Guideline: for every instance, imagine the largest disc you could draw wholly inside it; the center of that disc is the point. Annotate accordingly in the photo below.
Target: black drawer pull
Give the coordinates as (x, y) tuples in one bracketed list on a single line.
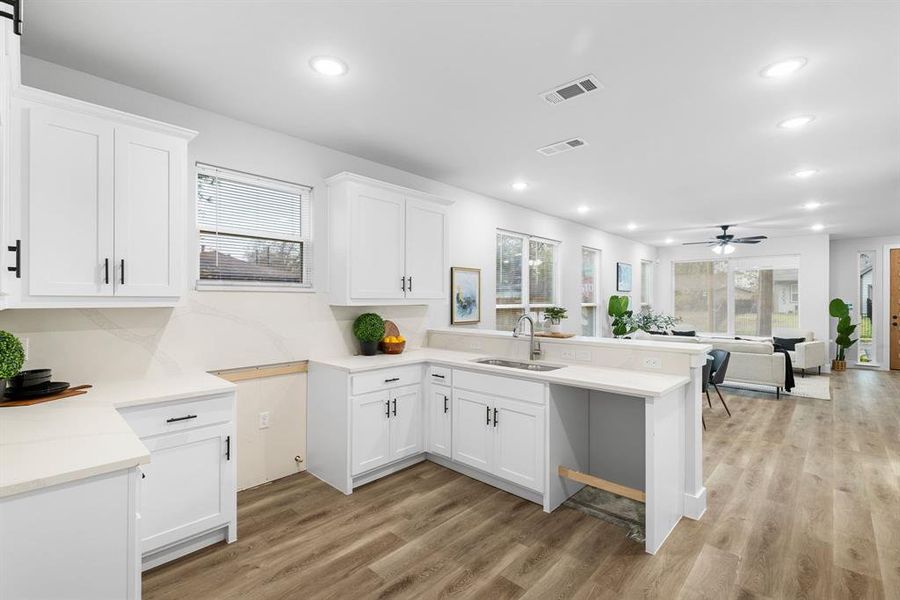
[(392, 380), (438, 376), (176, 419), (18, 250), (395, 407), (495, 417), (446, 408), (488, 409), (387, 409), (228, 448)]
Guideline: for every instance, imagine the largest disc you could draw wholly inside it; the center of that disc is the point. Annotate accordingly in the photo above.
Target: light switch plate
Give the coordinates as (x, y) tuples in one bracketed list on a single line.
[(652, 362), (264, 420)]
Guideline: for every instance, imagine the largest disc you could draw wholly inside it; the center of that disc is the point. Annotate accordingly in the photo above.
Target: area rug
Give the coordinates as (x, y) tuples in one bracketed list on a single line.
[(811, 386), (623, 512)]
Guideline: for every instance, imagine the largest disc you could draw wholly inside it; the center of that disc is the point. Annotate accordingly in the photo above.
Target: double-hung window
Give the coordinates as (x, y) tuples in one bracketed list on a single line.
[(527, 276), (646, 283), (255, 232), (590, 291)]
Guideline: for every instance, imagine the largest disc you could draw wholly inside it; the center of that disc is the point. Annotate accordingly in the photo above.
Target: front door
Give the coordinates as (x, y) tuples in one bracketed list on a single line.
[(895, 309)]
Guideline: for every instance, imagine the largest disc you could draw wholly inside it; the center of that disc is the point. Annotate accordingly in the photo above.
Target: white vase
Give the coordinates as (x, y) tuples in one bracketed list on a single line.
[(555, 327)]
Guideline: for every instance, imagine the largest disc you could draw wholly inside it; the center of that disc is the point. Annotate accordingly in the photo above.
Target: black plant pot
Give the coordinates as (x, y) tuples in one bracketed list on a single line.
[(368, 348)]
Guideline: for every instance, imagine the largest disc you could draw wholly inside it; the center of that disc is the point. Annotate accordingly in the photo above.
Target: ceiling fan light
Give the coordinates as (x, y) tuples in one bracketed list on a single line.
[(728, 249), (717, 249)]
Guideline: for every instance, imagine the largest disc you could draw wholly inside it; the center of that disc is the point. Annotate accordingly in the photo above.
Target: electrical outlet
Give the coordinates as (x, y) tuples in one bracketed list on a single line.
[(475, 345), (568, 355), (264, 420), (652, 363), (583, 355)]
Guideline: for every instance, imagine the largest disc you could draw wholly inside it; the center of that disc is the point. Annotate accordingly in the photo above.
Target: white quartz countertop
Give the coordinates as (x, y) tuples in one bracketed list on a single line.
[(82, 436), (621, 381)]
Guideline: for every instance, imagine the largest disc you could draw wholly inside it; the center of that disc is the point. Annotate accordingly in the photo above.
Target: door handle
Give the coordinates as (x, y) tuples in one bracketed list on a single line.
[(395, 407), (122, 272), (495, 417), (18, 250), (410, 283), (228, 448), (403, 284), (387, 409), (488, 409), (446, 408), (106, 270)]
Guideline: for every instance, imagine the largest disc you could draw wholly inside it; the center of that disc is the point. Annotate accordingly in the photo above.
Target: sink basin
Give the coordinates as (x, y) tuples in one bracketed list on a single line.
[(518, 364)]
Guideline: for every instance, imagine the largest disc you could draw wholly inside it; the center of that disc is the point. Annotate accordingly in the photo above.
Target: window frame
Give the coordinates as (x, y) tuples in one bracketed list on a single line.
[(526, 306), (306, 235), (596, 303), (647, 294)]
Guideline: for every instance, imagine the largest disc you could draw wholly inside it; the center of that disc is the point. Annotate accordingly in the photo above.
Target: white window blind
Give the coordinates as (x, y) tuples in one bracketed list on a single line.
[(253, 230)]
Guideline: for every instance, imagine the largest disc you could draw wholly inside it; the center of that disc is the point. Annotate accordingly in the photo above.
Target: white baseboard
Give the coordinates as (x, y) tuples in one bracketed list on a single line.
[(695, 505), (489, 479), (177, 550)]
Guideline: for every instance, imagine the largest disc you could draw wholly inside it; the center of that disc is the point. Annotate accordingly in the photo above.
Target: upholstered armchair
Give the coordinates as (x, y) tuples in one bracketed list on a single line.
[(808, 354)]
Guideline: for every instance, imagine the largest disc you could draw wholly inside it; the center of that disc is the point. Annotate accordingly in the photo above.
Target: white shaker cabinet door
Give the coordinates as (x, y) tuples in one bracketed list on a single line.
[(376, 244), (148, 176), (69, 245), (472, 429), (406, 422), (427, 270), (519, 442), (370, 446), (439, 420)]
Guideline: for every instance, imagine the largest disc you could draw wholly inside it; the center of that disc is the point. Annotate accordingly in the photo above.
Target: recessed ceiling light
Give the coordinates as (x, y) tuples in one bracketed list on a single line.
[(796, 122), (669, 240), (583, 209), (805, 173), (812, 205), (519, 186), (328, 65), (817, 227), (631, 227), (783, 68)]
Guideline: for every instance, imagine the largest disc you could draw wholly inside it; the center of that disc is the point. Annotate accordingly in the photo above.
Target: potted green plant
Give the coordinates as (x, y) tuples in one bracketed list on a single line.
[(841, 311), (12, 356), (617, 309), (648, 321), (368, 328), (555, 314)]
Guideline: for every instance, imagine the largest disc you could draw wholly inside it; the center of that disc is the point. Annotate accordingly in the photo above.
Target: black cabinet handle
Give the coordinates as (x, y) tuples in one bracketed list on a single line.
[(488, 409), (228, 448), (143, 475), (122, 272), (495, 417), (446, 408), (176, 419), (410, 283), (105, 270), (403, 284), (392, 380), (438, 376), (387, 409), (18, 250), (395, 407)]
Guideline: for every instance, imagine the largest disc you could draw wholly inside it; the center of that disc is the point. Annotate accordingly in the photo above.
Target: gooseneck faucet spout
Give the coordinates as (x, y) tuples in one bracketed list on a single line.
[(535, 348)]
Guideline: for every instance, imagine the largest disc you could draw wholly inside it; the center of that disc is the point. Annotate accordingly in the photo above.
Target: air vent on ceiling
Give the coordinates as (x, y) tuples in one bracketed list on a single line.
[(560, 147), (573, 89)]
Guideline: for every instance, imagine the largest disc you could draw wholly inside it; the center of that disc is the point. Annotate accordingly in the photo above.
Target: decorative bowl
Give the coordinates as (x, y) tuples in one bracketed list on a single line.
[(392, 347)]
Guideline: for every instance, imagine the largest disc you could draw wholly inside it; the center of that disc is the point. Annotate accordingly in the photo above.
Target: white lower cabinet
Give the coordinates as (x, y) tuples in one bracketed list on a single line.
[(387, 426), (439, 414), (501, 436)]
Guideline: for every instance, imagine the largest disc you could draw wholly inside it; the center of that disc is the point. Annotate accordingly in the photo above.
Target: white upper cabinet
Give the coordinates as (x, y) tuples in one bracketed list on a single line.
[(387, 244), (102, 202)]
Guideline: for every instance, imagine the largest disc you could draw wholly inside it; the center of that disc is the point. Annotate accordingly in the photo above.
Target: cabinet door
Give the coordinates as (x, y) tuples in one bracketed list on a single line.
[(439, 420), (371, 431), (376, 244), (426, 250), (187, 487), (70, 205), (519, 443), (406, 422), (148, 174), (472, 430)]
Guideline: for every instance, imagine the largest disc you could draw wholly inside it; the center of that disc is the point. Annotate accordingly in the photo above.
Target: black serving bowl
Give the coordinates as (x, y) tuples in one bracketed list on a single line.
[(26, 379)]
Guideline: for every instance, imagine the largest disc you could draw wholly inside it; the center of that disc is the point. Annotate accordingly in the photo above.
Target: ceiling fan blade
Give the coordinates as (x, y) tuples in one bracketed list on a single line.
[(745, 241), (752, 237), (708, 243)]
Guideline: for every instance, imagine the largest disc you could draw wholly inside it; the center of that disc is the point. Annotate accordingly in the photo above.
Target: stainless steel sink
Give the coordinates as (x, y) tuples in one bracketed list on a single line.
[(518, 364)]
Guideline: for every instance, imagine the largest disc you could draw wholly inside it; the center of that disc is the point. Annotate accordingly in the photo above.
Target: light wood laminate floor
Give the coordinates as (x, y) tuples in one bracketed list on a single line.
[(804, 502)]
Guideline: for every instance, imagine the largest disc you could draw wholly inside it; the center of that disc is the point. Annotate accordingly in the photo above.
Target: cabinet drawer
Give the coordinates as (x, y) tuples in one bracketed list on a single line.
[(385, 379), (495, 385), (155, 419), (440, 375)]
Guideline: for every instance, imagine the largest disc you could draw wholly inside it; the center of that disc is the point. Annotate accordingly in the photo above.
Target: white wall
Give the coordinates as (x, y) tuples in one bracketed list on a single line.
[(813, 251), (218, 330), (844, 281)]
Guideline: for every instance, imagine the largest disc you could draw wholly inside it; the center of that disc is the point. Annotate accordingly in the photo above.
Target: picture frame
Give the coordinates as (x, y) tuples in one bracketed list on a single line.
[(623, 277), (465, 295)]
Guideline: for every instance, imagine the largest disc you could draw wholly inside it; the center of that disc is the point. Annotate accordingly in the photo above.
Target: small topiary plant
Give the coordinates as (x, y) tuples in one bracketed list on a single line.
[(12, 355), (368, 327), (555, 313)]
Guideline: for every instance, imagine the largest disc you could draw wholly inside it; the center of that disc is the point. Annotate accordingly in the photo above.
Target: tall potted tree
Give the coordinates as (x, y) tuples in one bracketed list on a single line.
[(12, 357), (841, 311)]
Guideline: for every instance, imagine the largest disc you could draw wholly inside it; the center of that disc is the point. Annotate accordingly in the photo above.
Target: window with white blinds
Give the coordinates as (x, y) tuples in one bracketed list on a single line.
[(253, 230)]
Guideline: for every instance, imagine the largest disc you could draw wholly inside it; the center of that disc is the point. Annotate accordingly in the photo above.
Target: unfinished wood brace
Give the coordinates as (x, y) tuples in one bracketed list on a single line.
[(602, 484), (261, 371)]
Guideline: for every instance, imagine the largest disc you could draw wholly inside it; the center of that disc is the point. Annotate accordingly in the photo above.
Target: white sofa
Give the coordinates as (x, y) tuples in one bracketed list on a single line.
[(811, 354)]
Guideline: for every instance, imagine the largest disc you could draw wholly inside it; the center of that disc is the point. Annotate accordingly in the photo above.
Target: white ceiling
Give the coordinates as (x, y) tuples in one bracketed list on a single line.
[(682, 138)]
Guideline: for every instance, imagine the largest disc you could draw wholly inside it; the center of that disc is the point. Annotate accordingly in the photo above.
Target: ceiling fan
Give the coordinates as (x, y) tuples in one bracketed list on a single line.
[(725, 243)]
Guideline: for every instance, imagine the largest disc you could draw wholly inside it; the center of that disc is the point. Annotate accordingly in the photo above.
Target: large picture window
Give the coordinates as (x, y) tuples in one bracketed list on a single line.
[(590, 291), (745, 297), (254, 231), (526, 276)]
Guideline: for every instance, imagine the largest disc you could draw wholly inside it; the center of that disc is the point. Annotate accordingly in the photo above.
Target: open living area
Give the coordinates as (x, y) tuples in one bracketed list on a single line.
[(479, 300)]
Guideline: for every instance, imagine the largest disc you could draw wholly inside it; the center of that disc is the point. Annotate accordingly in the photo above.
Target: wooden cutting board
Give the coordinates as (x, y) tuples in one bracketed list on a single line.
[(72, 391), (550, 334)]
